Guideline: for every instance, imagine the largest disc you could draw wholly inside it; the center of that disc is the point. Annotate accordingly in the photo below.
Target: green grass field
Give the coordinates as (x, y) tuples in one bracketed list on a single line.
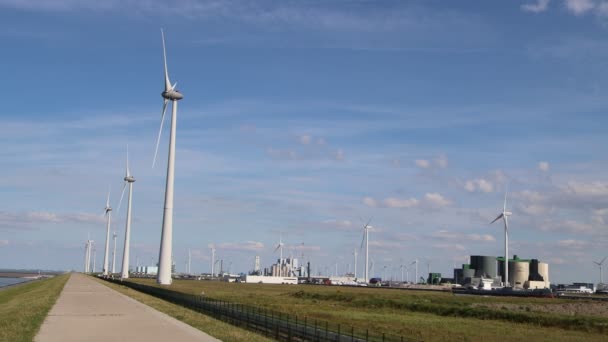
[(24, 307), (416, 314)]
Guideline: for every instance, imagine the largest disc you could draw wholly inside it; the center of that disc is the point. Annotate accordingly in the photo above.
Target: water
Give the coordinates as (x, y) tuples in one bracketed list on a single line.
[(11, 281)]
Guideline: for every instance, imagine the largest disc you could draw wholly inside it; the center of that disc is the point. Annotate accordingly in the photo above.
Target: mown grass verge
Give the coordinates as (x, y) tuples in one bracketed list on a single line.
[(211, 326), (23, 308)]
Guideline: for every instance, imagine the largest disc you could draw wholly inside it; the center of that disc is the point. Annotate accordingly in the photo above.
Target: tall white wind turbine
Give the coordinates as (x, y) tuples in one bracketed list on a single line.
[(600, 265), (212, 262), (365, 239), (504, 216), (129, 180), (86, 257), (106, 254), (355, 254), (280, 249), (166, 241), (114, 254)]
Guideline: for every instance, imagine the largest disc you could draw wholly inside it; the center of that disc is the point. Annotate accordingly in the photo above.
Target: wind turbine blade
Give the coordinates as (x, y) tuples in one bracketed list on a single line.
[(124, 187), (174, 85), (276, 249), (160, 131), (362, 240), (128, 171), (496, 219), (601, 262), (108, 198), (167, 82), (504, 208)]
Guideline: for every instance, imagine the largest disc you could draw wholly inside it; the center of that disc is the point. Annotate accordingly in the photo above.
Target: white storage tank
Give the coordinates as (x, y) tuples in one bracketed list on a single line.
[(543, 270), (519, 271)]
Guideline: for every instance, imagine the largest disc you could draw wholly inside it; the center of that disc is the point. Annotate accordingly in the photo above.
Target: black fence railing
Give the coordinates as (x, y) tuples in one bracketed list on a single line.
[(272, 324)]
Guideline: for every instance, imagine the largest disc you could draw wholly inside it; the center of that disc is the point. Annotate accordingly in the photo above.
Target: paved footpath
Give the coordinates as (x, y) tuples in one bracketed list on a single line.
[(89, 311)]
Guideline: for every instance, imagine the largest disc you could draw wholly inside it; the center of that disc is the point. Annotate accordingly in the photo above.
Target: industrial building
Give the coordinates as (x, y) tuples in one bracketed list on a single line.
[(488, 272)]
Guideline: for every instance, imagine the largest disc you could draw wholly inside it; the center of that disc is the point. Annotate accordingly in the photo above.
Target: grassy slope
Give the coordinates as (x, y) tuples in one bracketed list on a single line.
[(213, 327), (410, 313), (24, 307)]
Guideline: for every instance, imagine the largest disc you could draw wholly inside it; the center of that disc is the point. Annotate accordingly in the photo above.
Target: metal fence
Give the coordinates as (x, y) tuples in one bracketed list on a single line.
[(272, 324)]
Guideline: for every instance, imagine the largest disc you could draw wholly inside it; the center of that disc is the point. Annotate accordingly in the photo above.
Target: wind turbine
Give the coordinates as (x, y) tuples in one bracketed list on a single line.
[(212, 261), (189, 260), (504, 216), (108, 213), (355, 254), (416, 263), (94, 258), (166, 241), (600, 264), (129, 179), (365, 238), (86, 257), (280, 249), (114, 254)]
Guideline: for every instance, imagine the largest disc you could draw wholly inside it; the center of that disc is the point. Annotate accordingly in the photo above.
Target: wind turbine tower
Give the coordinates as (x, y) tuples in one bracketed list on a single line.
[(86, 257), (166, 241), (504, 216), (106, 254), (212, 262), (365, 239), (600, 265), (114, 254), (189, 260), (129, 180), (355, 254), (94, 258), (280, 249)]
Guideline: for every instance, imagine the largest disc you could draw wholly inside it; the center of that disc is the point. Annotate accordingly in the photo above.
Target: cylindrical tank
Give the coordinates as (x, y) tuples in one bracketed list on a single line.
[(468, 273), (485, 266), (543, 270), (519, 271)]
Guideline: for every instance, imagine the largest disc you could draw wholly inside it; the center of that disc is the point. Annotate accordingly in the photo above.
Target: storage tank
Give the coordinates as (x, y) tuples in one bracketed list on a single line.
[(485, 266), (519, 271), (543, 270), (468, 273)]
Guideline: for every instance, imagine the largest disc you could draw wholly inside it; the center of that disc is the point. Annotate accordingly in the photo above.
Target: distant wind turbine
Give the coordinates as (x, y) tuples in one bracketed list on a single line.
[(166, 242), (212, 262), (504, 216), (280, 249), (108, 213), (365, 239), (128, 181), (600, 265)]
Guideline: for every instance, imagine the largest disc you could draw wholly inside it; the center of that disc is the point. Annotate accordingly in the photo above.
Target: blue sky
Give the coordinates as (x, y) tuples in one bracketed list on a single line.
[(307, 117)]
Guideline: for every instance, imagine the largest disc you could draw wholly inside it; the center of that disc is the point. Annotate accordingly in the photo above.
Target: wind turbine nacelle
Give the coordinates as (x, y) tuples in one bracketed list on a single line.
[(172, 95), (507, 213)]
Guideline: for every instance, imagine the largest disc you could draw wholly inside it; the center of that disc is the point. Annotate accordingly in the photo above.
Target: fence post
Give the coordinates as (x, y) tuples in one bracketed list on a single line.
[(296, 327), (305, 327), (382, 337), (326, 329), (352, 334), (366, 335), (288, 329), (338, 337), (316, 331)]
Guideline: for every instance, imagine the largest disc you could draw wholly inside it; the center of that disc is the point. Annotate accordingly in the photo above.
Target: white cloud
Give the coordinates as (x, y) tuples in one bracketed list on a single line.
[(370, 202), (3, 243), (587, 189), (573, 244), (539, 6), (242, 246), (579, 7), (41, 217), (569, 226), (393, 202), (479, 184), (436, 200), (458, 236), (430, 200), (543, 166), (423, 163)]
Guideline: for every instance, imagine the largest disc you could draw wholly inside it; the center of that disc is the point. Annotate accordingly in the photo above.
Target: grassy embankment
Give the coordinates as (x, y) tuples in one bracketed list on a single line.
[(24, 307), (421, 315), (213, 327)]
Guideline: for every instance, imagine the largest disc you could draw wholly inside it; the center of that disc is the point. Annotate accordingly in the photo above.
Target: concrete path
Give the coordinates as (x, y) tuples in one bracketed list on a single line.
[(89, 311)]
